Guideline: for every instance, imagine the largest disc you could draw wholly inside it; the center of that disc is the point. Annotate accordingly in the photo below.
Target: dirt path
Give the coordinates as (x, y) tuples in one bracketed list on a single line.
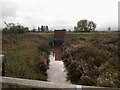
[(56, 72)]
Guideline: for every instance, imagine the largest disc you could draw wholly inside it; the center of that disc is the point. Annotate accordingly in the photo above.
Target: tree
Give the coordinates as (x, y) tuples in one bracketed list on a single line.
[(47, 28), (42, 28), (38, 29), (85, 25), (109, 28), (75, 28), (14, 28), (91, 26)]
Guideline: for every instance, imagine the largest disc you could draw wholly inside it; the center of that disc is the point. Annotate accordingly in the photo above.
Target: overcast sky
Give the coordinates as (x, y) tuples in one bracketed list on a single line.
[(58, 14)]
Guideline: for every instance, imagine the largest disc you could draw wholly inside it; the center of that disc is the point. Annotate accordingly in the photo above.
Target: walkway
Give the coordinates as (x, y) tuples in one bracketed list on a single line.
[(56, 72)]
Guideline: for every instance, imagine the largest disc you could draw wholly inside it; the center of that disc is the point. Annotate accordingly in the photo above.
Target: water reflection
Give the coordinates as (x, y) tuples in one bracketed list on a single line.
[(56, 72)]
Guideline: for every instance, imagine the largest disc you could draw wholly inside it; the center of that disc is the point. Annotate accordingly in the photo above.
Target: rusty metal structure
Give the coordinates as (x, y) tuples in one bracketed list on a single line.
[(57, 42), (59, 37)]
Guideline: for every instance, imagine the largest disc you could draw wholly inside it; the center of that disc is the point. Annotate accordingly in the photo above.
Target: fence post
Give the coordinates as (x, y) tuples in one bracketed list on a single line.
[(2, 68)]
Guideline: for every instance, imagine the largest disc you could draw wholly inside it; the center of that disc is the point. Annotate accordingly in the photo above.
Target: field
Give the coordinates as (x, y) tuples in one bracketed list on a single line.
[(92, 58)]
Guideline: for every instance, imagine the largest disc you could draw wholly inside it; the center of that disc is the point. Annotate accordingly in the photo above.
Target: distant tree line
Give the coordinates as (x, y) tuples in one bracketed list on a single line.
[(14, 28), (19, 29), (41, 29), (82, 26), (85, 26)]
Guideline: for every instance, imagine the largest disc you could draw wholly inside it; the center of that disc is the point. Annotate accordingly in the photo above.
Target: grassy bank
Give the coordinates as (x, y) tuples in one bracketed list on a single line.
[(92, 59), (26, 56)]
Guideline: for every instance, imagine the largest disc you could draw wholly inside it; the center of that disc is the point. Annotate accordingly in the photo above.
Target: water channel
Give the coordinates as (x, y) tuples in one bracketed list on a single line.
[(56, 72)]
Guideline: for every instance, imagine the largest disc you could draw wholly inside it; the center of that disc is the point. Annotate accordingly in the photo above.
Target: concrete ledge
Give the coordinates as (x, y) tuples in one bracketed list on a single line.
[(98, 88), (44, 84), (35, 83)]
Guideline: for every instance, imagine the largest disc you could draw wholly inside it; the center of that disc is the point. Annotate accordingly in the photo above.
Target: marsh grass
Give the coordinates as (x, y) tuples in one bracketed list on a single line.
[(26, 56)]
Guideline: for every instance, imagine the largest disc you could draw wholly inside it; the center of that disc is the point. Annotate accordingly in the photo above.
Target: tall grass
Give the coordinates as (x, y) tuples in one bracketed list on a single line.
[(26, 56)]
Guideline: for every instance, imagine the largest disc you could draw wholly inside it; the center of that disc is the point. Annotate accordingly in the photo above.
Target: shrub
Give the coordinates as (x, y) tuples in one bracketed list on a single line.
[(92, 61)]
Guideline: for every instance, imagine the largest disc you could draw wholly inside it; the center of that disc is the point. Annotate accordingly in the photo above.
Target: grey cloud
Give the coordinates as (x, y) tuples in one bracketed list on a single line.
[(119, 15), (9, 9)]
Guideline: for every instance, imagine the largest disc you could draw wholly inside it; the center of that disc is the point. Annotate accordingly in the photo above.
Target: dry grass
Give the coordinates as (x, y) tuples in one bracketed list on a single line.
[(26, 56)]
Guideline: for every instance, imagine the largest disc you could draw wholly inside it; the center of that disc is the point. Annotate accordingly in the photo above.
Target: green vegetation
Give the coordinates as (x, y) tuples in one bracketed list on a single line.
[(92, 59), (14, 28), (26, 54), (85, 26)]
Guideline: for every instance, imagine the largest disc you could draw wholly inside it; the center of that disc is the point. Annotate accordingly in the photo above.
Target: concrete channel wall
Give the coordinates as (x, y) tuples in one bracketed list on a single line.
[(1, 68), (49, 85)]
